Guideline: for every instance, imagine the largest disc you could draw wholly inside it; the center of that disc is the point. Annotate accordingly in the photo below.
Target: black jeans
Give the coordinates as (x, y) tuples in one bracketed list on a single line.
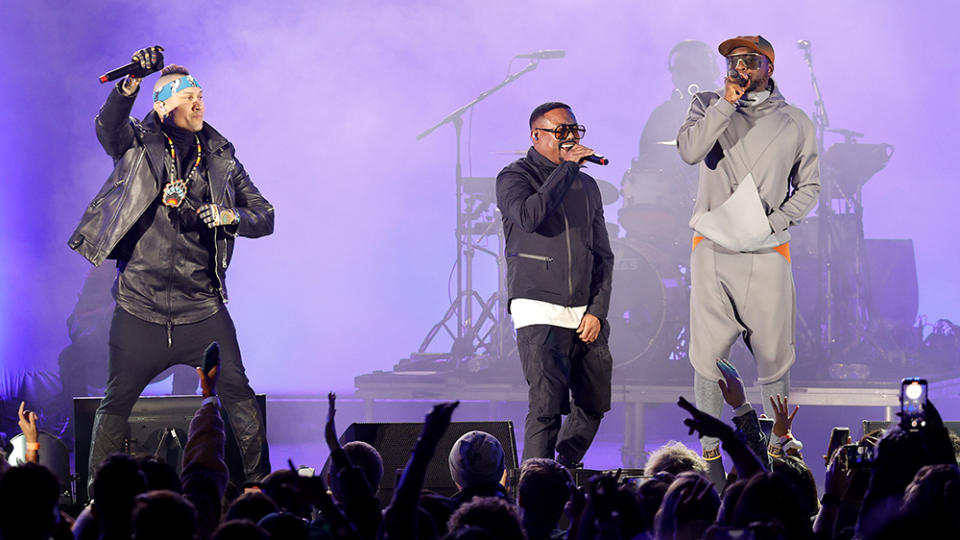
[(139, 351), (557, 364)]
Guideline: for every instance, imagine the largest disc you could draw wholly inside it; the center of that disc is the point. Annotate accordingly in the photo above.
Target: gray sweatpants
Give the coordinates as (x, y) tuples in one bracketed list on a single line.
[(740, 294)]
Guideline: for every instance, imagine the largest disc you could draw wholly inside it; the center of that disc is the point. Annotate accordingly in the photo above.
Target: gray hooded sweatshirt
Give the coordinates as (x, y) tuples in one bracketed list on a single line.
[(764, 148)]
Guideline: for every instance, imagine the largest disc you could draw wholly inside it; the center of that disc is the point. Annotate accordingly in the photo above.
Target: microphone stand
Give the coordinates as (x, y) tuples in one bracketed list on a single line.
[(468, 331), (825, 300)]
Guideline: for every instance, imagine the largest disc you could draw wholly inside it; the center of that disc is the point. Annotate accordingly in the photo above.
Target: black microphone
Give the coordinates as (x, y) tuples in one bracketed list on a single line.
[(122, 71), (593, 158), (544, 54), (599, 160), (803, 44)]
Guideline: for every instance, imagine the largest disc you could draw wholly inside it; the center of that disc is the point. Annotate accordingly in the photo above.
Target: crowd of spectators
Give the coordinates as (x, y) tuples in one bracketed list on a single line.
[(904, 483)]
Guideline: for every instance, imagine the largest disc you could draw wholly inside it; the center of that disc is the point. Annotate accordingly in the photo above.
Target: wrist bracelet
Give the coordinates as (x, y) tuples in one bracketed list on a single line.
[(792, 444), (33, 446), (774, 450), (712, 454)]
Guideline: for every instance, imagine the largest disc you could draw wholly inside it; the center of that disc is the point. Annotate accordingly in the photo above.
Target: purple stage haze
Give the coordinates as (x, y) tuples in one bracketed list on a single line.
[(323, 101)]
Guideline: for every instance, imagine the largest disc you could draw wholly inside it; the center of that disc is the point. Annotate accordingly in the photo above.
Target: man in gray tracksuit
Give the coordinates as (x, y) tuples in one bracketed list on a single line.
[(759, 174)]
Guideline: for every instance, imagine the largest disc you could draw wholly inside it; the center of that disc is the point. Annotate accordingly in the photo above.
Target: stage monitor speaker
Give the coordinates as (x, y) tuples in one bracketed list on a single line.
[(869, 426), (893, 280), (158, 425), (395, 441)]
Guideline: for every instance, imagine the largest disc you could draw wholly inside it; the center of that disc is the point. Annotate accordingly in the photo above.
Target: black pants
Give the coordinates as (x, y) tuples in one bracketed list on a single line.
[(139, 351), (558, 365)]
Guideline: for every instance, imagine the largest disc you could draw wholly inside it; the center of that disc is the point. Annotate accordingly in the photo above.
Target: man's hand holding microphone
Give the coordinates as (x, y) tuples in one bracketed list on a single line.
[(143, 63)]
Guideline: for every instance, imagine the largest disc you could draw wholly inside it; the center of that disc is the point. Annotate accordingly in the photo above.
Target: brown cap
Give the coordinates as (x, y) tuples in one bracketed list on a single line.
[(754, 43)]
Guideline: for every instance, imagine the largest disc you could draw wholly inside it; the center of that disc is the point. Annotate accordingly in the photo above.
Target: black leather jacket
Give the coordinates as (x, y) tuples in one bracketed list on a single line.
[(137, 149), (557, 247)]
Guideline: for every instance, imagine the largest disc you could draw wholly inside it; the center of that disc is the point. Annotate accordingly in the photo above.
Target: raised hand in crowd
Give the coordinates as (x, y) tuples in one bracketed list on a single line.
[(835, 486), (782, 418), (27, 420), (575, 508), (599, 518), (745, 416), (745, 460), (437, 421), (330, 430), (400, 518), (209, 372), (731, 385)]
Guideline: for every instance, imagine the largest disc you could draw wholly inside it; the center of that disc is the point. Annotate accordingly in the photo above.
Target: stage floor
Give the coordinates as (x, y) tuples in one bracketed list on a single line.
[(633, 398)]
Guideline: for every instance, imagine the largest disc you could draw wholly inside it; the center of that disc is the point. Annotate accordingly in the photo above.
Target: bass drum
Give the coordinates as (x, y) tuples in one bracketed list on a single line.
[(649, 313), (53, 455)]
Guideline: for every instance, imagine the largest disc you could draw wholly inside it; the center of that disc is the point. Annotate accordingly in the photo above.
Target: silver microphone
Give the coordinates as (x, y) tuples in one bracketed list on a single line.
[(803, 44)]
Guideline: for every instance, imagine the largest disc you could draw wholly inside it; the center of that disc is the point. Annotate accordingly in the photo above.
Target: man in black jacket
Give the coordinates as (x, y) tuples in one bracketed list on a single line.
[(169, 214), (559, 272)]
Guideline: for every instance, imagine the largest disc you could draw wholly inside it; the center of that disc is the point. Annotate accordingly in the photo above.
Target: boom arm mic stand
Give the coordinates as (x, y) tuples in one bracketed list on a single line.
[(468, 335)]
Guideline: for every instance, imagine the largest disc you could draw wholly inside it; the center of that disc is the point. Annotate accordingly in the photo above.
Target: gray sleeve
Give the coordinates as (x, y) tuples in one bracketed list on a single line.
[(804, 179), (703, 127)]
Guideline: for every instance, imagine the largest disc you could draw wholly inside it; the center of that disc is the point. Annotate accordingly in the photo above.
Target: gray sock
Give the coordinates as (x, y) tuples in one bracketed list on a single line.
[(708, 399), (780, 386)]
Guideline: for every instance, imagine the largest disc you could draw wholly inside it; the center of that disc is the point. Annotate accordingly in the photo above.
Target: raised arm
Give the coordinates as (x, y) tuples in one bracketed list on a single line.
[(703, 126), (114, 130), (527, 206), (204, 475), (27, 420), (400, 518), (746, 462)]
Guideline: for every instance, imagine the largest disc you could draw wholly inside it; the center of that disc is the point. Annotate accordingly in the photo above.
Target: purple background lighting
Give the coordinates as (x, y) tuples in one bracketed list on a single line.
[(323, 101)]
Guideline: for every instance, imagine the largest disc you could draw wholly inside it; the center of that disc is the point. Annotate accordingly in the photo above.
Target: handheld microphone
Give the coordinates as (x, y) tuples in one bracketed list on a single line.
[(593, 158), (803, 44), (598, 159), (544, 54), (128, 69), (737, 78)]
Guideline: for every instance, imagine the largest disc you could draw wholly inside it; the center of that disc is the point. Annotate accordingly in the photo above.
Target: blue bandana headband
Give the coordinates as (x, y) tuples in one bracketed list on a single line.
[(168, 90)]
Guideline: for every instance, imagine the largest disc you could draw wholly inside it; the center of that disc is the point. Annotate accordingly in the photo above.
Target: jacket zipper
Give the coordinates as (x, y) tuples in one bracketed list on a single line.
[(216, 265), (566, 232), (546, 260), (173, 266)]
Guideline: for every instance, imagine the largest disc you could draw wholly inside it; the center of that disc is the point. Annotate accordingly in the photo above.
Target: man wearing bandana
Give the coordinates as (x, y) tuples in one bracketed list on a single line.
[(169, 215), (759, 175)]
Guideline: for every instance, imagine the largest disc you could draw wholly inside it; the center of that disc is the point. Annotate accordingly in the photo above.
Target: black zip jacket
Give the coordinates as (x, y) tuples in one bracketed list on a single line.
[(557, 247), (108, 225)]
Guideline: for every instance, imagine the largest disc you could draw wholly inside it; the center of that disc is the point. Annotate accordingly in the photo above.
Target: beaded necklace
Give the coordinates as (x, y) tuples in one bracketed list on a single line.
[(176, 189)]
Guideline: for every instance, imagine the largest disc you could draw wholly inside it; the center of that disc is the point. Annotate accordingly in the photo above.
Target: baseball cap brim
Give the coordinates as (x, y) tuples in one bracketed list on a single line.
[(748, 42)]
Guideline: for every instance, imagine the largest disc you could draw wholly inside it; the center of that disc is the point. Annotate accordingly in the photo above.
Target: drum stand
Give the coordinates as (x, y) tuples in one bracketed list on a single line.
[(837, 256), (470, 335)]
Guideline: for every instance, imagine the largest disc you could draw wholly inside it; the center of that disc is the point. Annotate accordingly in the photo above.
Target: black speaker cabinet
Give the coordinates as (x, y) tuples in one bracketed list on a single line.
[(157, 425), (395, 441)]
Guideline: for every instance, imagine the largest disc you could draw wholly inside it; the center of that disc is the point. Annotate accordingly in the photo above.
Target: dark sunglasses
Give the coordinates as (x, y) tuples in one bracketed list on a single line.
[(750, 61), (564, 131)]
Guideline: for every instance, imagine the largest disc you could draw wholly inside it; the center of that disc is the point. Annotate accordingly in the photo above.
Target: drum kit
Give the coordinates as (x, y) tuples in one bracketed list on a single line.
[(650, 302)]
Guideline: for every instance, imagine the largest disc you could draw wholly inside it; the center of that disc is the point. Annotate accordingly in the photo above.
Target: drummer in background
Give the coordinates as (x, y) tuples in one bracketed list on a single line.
[(694, 68), (659, 189)]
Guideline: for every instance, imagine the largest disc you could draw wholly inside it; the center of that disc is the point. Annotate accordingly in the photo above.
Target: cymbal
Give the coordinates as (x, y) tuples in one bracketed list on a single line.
[(667, 143), (509, 152), (608, 192)]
